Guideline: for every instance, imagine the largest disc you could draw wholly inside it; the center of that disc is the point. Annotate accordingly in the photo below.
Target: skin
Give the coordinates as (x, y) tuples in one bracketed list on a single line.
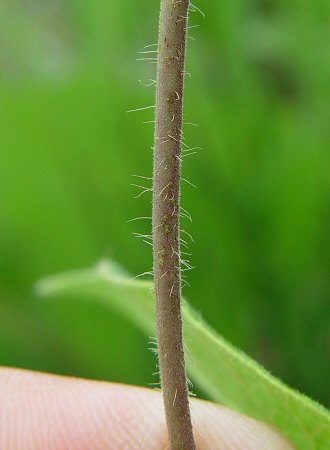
[(40, 411)]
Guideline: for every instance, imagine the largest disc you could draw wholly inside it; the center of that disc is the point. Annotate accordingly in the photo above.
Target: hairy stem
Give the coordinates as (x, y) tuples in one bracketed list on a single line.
[(166, 225)]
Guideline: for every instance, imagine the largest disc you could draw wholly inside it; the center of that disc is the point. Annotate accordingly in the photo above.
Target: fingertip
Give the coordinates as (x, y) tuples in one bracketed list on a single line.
[(40, 411), (219, 428)]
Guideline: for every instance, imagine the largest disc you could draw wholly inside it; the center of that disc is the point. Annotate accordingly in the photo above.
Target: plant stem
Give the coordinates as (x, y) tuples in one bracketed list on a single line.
[(166, 220)]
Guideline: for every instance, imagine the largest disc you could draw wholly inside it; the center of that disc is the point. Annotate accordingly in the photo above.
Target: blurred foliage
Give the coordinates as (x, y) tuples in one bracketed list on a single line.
[(260, 93)]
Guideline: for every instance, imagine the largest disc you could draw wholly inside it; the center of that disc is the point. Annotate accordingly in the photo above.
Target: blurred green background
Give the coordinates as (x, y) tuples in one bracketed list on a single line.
[(259, 91)]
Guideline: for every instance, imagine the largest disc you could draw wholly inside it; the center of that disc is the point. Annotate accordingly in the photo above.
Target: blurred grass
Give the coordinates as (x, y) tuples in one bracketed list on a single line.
[(259, 92)]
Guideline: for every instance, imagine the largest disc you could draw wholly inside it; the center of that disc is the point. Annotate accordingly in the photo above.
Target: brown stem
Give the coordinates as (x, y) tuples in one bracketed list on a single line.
[(166, 225)]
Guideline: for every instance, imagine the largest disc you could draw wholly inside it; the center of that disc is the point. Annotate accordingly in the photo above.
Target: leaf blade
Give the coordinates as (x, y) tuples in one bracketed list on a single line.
[(225, 373)]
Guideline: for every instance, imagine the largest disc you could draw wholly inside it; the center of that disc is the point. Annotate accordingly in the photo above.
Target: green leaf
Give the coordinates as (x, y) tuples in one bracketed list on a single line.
[(226, 374)]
